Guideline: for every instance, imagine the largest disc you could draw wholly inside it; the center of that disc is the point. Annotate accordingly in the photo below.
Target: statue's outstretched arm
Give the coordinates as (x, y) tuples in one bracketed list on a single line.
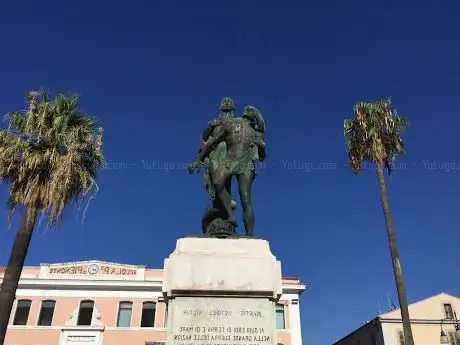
[(212, 144), (208, 131), (206, 134)]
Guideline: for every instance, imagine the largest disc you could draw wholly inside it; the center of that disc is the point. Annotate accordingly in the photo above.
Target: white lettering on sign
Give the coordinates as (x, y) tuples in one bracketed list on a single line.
[(92, 269), (221, 321)]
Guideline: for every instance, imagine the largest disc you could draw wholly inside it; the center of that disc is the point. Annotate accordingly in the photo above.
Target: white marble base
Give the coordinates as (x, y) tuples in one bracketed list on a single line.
[(222, 267), (222, 292)]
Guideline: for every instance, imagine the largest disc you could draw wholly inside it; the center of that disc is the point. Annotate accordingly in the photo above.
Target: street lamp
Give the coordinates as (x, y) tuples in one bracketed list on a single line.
[(444, 338)]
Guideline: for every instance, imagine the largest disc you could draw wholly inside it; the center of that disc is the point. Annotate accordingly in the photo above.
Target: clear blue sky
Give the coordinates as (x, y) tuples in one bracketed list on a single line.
[(154, 71)]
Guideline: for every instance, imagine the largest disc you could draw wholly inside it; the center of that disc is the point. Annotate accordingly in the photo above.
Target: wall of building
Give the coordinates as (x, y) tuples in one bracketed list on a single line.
[(32, 337), (106, 309), (424, 333), (426, 317), (68, 289)]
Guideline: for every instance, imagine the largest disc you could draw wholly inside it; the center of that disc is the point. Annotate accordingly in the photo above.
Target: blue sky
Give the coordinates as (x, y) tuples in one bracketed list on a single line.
[(154, 71)]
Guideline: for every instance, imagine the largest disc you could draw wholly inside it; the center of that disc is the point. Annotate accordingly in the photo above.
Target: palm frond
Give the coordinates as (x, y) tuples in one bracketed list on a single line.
[(374, 134), (50, 153)]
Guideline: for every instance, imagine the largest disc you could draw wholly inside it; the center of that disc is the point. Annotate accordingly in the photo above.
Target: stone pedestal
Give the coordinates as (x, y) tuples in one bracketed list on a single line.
[(222, 292)]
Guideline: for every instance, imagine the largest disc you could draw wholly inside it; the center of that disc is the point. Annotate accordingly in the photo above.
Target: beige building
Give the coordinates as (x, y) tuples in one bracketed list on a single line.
[(433, 322)]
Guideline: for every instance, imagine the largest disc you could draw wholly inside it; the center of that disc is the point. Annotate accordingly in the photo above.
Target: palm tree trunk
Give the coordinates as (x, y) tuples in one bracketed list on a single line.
[(14, 268), (409, 340)]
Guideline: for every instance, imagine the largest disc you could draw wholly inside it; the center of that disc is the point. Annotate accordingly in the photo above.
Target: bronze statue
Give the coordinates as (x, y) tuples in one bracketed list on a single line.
[(217, 156), (244, 140)]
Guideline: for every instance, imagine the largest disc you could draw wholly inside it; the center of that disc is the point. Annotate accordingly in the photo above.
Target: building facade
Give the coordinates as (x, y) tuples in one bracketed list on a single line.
[(103, 303), (429, 317)]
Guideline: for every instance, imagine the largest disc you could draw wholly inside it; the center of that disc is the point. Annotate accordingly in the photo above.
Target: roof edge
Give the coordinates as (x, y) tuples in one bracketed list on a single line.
[(367, 324), (419, 301)]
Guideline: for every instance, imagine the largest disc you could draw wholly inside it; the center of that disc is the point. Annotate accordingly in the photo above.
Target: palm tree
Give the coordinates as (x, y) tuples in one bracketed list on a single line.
[(49, 155), (374, 134)]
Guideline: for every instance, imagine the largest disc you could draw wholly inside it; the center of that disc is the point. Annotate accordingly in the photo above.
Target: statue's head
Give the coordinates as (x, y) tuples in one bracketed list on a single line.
[(227, 105)]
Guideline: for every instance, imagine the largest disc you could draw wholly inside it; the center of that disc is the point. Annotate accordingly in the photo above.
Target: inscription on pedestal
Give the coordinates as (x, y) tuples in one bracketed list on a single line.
[(221, 321)]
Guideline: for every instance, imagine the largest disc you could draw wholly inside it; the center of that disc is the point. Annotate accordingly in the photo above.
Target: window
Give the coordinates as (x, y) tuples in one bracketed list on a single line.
[(85, 314), (22, 312), (148, 314), (46, 313), (401, 340), (280, 316), (125, 310), (448, 312)]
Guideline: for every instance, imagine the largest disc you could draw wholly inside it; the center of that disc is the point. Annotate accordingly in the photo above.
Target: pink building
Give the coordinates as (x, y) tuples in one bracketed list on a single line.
[(103, 303)]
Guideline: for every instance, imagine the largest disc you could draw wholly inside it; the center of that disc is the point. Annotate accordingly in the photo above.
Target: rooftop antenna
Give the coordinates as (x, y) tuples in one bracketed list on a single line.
[(391, 305), (378, 305)]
